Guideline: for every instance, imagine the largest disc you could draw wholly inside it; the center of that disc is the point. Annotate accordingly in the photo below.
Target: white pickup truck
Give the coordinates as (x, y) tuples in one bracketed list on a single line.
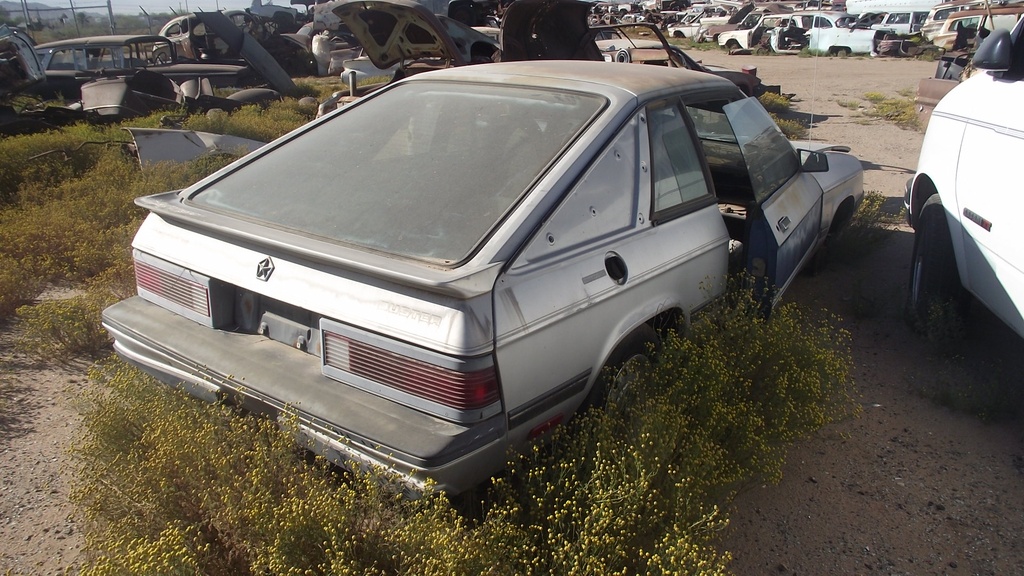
[(963, 202)]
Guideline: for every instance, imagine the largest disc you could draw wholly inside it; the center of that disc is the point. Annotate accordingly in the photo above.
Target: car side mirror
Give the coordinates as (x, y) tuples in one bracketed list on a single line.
[(813, 161), (995, 53)]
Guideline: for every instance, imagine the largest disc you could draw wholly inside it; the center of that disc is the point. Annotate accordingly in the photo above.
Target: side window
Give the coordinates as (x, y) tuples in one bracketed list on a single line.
[(100, 58), (969, 23), (62, 60), (602, 204), (676, 170), (820, 22)]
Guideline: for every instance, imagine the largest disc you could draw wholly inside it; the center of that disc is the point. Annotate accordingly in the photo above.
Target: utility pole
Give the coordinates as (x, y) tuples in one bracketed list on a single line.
[(74, 16), (24, 12), (149, 20), (110, 16)]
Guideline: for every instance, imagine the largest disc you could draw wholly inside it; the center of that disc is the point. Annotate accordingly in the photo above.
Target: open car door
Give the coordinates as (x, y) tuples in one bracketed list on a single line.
[(770, 203)]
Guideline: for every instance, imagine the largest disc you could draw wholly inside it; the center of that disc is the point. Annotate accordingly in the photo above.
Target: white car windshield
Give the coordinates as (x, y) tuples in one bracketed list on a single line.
[(424, 171)]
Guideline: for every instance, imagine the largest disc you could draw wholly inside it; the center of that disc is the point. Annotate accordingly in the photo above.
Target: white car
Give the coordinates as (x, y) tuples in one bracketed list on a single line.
[(438, 272), (831, 35), (688, 27), (745, 39), (964, 202), (902, 22)]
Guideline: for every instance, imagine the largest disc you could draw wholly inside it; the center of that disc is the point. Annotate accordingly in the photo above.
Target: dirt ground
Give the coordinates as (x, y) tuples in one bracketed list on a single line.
[(909, 487)]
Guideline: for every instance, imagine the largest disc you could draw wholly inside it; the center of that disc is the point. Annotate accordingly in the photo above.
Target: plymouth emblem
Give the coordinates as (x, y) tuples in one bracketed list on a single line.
[(264, 269)]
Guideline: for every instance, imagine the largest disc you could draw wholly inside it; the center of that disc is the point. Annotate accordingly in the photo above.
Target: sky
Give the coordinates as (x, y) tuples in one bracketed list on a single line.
[(151, 6), (181, 6)]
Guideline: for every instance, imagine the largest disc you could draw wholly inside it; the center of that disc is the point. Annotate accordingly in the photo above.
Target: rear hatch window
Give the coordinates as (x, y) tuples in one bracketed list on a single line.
[(424, 171)]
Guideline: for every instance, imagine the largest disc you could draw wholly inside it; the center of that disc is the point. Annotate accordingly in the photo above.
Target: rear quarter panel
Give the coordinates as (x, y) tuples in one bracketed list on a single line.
[(558, 314)]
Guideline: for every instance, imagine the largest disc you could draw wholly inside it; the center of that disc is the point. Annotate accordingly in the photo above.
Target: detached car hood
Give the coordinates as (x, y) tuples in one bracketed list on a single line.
[(392, 31), (19, 64)]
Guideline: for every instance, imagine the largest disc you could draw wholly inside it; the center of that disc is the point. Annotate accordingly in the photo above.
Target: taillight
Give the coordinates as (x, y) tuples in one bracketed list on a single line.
[(180, 290), (175, 288), (459, 389)]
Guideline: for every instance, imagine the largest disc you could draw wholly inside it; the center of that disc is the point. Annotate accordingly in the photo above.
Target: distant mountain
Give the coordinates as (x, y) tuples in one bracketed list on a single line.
[(35, 9)]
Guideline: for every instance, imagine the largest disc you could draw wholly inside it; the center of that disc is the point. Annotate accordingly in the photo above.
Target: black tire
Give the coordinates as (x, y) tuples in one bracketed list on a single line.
[(613, 384), (819, 261), (934, 279)]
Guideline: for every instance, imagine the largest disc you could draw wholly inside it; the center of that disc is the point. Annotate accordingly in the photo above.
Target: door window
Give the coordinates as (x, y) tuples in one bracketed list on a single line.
[(62, 60), (676, 170), (899, 18), (746, 151)]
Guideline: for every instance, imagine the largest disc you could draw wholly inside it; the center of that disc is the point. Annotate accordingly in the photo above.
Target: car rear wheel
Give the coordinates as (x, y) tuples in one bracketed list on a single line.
[(732, 45), (934, 280), (623, 367)]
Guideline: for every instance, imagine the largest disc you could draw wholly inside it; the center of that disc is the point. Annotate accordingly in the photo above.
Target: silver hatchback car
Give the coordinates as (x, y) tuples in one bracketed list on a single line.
[(439, 271)]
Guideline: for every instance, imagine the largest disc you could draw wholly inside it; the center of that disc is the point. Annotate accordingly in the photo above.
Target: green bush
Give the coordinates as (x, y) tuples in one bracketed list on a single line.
[(775, 103), (81, 234), (900, 110), (791, 128), (61, 329), (48, 159), (254, 122), (869, 227), (172, 485)]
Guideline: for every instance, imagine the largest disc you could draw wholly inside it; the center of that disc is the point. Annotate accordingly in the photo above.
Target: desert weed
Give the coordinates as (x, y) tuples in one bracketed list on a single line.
[(899, 110), (775, 103), (254, 122), (637, 489), (81, 234), (869, 227)]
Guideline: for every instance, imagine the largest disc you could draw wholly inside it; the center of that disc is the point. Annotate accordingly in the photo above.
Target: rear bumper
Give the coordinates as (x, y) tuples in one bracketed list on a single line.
[(349, 426)]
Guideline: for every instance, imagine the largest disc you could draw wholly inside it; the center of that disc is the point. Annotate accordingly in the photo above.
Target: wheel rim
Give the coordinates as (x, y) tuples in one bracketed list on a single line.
[(623, 382)]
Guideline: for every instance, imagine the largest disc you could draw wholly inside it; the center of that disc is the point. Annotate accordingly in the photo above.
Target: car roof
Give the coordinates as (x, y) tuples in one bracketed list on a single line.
[(108, 40), (599, 77), (1015, 9), (822, 12)]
